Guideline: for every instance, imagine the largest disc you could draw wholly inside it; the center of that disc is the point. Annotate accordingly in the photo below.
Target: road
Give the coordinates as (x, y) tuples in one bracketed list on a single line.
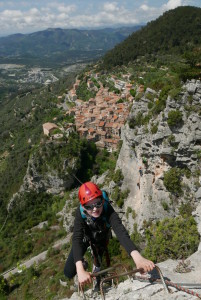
[(36, 259)]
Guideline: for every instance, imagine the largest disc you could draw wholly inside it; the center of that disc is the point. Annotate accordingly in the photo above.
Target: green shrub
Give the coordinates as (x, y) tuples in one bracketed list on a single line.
[(172, 181), (4, 288), (154, 128), (52, 252), (159, 106), (114, 247), (186, 209), (115, 193), (133, 92), (136, 237), (95, 82), (174, 93), (186, 172), (118, 176), (119, 196), (175, 238), (174, 117), (165, 205), (198, 153), (134, 215), (139, 120), (123, 195), (84, 93), (171, 139), (150, 96), (104, 161), (121, 100), (128, 211), (120, 202), (33, 272), (150, 105)]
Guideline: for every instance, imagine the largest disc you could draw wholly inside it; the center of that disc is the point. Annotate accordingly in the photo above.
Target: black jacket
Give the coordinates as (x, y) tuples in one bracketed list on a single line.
[(81, 228)]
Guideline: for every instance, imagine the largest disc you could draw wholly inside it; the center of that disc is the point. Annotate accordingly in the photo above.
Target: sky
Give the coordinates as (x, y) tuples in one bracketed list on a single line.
[(26, 16)]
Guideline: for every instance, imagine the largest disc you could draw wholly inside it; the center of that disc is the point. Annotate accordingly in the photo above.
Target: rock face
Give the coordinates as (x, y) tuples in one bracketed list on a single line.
[(145, 156), (143, 159), (134, 289), (50, 182)]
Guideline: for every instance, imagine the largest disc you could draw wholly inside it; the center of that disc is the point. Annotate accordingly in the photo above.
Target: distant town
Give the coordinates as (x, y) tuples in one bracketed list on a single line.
[(100, 119)]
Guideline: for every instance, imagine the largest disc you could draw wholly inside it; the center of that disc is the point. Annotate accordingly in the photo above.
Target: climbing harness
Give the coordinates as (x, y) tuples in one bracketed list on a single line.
[(113, 275)]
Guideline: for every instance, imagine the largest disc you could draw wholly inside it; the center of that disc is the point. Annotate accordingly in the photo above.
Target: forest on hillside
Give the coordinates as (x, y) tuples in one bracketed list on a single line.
[(177, 32)]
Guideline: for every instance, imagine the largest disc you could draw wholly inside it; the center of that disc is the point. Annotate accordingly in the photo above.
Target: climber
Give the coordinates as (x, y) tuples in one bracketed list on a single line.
[(92, 227), (140, 171)]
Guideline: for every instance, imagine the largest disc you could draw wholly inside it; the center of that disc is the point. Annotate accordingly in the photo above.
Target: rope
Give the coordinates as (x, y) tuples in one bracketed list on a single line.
[(77, 178), (178, 286), (181, 288)]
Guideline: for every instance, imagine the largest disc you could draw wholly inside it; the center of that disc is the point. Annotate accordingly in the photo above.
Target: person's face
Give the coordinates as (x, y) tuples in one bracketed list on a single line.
[(94, 207)]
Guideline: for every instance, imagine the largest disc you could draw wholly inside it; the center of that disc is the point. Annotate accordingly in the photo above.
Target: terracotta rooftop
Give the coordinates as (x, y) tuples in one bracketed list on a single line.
[(109, 125), (91, 130), (116, 125), (101, 123)]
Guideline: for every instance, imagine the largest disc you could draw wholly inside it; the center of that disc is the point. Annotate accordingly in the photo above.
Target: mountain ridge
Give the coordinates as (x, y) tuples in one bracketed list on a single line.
[(54, 39), (176, 31)]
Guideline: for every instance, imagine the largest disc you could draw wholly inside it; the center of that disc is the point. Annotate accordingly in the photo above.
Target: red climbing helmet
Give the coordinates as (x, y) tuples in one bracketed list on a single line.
[(88, 191)]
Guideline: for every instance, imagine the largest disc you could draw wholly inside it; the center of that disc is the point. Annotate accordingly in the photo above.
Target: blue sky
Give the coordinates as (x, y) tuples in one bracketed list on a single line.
[(21, 16)]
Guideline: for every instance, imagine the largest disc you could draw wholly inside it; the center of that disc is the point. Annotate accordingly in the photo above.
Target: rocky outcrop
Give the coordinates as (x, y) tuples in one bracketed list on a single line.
[(155, 153), (172, 271), (50, 182)]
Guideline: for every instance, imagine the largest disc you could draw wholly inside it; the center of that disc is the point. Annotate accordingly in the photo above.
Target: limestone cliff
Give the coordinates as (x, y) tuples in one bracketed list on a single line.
[(42, 177), (145, 156)]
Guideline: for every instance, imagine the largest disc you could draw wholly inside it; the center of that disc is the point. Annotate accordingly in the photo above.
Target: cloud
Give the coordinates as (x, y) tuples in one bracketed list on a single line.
[(6, 14), (66, 9), (29, 18), (153, 12), (171, 4), (144, 7), (146, 13), (110, 6), (60, 15)]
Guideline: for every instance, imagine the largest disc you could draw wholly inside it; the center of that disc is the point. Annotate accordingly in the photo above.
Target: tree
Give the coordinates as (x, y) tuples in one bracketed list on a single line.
[(172, 181), (175, 238), (4, 287)]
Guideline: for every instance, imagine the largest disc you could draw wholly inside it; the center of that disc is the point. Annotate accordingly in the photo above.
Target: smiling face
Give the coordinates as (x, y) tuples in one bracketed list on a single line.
[(94, 207)]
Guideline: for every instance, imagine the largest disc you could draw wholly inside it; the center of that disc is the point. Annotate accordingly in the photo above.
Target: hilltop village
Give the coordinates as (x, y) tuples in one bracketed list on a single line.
[(100, 119)]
